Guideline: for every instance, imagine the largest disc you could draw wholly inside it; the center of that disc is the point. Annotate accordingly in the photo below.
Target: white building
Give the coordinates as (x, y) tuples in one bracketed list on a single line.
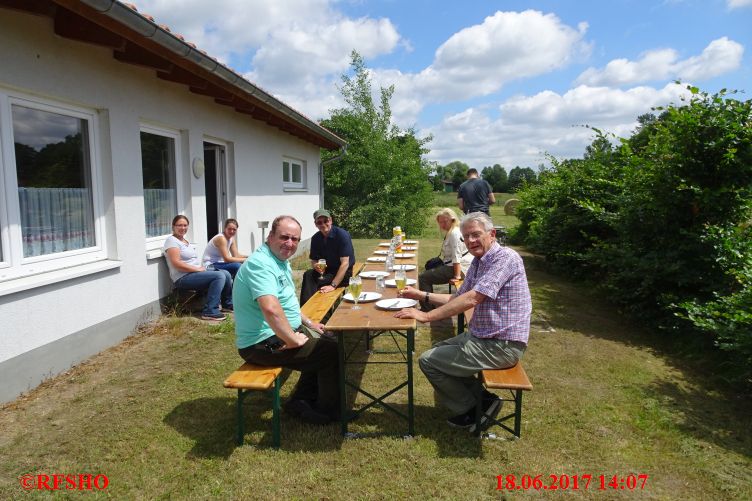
[(109, 126)]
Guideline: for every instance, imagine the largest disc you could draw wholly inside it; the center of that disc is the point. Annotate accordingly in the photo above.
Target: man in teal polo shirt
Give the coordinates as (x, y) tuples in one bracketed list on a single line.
[(271, 330)]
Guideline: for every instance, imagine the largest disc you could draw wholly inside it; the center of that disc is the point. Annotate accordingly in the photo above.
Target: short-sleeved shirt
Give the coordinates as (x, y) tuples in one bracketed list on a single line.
[(336, 245), (188, 254), (262, 274), (212, 253), (474, 194), (500, 276), (454, 250)]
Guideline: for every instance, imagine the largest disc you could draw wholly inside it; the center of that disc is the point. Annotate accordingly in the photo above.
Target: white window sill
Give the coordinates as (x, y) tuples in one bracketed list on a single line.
[(154, 253), (14, 285), (295, 189)]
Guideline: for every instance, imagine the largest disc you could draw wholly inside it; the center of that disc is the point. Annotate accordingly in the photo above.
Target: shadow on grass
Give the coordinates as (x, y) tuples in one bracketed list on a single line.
[(702, 405)]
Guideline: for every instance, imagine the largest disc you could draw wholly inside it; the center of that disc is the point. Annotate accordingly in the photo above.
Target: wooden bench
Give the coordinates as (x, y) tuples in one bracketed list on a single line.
[(513, 379), (250, 377)]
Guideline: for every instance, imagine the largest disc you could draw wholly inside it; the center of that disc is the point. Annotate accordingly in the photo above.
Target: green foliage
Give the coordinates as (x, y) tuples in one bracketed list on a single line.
[(520, 176), (497, 177), (661, 223), (382, 181)]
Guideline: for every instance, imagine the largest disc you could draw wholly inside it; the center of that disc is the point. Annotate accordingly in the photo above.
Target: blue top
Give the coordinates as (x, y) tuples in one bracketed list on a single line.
[(474, 193), (337, 244), (262, 274)]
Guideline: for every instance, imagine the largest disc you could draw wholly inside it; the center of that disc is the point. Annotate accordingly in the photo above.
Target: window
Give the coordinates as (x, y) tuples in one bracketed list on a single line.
[(158, 165), (51, 215), (293, 173)]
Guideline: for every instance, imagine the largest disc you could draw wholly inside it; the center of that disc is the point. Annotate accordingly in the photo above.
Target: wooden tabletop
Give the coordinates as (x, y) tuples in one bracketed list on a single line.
[(369, 317)]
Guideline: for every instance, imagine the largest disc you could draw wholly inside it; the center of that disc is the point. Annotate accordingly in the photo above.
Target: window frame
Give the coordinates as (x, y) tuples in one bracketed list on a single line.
[(290, 184), (156, 243), (13, 264)]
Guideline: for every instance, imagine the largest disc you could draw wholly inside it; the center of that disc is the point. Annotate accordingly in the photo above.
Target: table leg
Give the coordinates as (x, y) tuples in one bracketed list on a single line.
[(410, 407), (342, 389)]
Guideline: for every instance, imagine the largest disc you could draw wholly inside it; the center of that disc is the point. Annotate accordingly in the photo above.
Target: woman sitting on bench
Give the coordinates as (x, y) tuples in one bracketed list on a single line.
[(221, 252), (455, 259), (186, 272)]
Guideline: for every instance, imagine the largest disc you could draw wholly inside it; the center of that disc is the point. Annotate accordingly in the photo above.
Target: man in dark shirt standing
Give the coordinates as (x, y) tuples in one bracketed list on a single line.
[(333, 244), (475, 194)]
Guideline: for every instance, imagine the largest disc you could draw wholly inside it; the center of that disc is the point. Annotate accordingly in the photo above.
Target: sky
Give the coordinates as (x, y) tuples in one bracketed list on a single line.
[(506, 81)]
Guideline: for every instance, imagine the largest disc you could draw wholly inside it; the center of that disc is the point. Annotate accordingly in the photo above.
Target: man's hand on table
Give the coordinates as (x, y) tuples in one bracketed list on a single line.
[(420, 316)]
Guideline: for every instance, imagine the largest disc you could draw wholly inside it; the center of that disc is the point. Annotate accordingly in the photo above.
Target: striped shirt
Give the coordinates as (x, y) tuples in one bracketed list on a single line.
[(500, 276)]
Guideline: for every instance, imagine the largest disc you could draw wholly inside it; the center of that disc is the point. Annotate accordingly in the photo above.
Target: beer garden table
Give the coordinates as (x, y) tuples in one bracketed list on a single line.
[(375, 321)]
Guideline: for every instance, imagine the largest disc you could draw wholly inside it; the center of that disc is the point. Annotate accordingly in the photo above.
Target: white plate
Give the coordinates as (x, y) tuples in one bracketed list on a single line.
[(406, 267), (410, 242), (381, 252), (374, 274), (408, 247), (396, 304), (384, 244), (404, 255), (365, 297), (376, 260), (393, 283)]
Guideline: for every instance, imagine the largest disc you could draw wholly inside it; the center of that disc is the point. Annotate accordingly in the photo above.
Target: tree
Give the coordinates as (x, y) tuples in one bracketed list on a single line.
[(382, 181), (496, 177), (519, 176), (457, 172)]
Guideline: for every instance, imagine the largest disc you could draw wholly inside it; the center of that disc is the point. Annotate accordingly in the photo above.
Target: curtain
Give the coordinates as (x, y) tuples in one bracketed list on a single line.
[(55, 220), (160, 207)]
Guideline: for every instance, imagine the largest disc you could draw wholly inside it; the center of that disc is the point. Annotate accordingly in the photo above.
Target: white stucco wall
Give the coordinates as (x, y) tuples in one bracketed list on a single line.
[(35, 61)]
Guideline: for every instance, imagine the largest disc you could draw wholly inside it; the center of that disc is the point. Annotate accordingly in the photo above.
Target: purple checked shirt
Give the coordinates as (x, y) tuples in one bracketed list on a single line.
[(500, 276)]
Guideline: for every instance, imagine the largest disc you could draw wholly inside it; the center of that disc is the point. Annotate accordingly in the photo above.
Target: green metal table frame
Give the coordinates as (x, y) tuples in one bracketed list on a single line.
[(407, 356)]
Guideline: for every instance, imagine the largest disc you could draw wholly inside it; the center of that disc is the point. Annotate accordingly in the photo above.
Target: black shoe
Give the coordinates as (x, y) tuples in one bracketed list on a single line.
[(463, 421), (313, 416), (296, 407), (491, 408)]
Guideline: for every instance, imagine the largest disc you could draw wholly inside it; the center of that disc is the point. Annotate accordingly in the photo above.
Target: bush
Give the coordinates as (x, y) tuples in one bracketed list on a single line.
[(660, 223)]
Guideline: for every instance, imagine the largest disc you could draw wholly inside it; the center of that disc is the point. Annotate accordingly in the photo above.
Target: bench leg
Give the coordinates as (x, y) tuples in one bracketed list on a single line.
[(275, 413), (460, 323), (517, 412), (241, 396)]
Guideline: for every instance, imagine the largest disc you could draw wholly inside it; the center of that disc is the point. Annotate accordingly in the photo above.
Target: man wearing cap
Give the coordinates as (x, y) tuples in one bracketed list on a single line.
[(335, 245)]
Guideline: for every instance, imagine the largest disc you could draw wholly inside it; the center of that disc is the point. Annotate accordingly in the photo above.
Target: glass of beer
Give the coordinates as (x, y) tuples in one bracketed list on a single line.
[(355, 287), (321, 267), (400, 279)]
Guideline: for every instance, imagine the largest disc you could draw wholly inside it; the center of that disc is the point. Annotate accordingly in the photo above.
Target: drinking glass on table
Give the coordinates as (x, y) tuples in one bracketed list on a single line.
[(355, 287), (321, 268), (400, 279)]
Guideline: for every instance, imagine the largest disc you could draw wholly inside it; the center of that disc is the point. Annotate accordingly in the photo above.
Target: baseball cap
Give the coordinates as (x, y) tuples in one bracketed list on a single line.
[(321, 212)]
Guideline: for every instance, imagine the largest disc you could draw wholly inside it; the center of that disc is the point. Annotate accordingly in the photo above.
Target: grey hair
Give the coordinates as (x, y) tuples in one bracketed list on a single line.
[(477, 217)]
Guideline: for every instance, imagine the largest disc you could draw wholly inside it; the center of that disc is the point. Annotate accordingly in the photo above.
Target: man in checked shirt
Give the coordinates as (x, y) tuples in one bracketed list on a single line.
[(496, 287)]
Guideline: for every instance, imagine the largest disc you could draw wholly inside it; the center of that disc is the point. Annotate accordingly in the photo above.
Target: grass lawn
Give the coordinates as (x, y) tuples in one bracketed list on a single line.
[(152, 415)]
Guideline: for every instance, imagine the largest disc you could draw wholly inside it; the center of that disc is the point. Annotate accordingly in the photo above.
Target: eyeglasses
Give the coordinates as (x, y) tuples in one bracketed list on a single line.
[(321, 222), (285, 238)]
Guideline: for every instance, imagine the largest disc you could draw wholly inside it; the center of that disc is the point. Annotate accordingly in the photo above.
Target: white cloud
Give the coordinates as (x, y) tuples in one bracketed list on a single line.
[(480, 59), (734, 4), (719, 57), (297, 48), (547, 122)]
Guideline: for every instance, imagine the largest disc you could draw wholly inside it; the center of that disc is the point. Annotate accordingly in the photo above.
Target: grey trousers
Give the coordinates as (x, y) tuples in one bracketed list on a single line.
[(451, 365), (436, 276)]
